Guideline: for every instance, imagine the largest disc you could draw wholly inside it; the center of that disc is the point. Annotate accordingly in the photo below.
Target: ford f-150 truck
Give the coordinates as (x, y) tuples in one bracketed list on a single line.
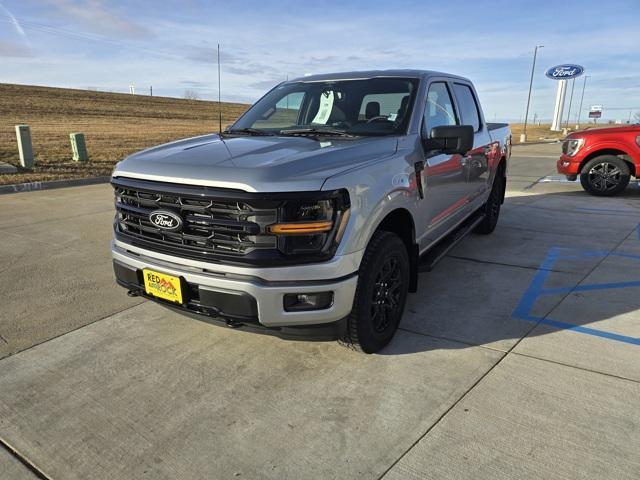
[(312, 215), (604, 158)]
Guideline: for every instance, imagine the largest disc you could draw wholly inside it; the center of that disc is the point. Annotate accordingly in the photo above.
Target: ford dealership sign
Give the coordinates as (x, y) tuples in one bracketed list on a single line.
[(564, 72)]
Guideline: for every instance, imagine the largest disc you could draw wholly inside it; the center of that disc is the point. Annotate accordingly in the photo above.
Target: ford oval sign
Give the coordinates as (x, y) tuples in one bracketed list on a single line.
[(166, 220), (564, 72)]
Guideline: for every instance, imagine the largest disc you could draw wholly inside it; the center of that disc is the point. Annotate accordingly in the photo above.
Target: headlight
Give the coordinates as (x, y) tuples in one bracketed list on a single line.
[(312, 226), (638, 140), (571, 146)]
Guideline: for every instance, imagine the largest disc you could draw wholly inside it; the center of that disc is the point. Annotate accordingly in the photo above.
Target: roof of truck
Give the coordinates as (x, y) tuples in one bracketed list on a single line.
[(402, 73)]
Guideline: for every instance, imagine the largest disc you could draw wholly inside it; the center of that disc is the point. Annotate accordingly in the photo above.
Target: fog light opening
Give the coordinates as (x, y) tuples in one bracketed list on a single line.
[(303, 302)]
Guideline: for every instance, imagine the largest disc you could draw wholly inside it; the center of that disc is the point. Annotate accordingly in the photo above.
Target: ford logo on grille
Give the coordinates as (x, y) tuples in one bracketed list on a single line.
[(166, 220)]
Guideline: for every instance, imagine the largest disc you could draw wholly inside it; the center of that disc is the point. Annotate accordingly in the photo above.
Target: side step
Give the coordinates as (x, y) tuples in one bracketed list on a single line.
[(435, 254)]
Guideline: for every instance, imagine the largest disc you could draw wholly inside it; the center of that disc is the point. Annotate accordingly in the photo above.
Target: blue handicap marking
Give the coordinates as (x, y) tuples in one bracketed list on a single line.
[(536, 289), (615, 211)]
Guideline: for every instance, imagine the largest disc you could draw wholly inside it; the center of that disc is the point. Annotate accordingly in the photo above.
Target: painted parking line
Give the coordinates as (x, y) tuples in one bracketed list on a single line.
[(608, 210), (536, 289)]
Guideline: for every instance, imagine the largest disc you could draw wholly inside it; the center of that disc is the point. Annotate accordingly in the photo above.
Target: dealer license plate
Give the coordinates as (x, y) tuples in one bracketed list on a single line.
[(162, 285)]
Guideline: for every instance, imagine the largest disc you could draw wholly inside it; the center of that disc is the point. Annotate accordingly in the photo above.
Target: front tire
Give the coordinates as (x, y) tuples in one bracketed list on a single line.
[(605, 176), (383, 283)]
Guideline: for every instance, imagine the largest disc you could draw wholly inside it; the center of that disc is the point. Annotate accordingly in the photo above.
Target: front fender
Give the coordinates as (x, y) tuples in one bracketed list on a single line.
[(595, 147), (375, 191)]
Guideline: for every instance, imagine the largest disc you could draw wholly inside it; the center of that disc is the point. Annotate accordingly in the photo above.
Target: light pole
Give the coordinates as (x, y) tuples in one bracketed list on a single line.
[(523, 137), (573, 84), (584, 84)]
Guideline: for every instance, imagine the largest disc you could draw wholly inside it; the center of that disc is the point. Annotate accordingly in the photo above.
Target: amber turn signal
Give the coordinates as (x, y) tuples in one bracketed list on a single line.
[(301, 228)]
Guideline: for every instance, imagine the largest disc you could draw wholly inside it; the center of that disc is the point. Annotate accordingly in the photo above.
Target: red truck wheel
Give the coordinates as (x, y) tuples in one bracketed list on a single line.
[(605, 176)]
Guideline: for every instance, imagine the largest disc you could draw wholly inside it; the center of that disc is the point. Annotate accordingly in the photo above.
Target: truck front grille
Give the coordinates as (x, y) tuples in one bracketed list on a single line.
[(215, 225)]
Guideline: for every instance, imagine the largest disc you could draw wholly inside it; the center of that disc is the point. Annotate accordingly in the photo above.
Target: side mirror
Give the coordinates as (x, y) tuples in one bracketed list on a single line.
[(449, 139)]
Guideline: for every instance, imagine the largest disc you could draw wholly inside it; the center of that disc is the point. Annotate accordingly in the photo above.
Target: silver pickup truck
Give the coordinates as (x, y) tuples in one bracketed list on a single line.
[(312, 215)]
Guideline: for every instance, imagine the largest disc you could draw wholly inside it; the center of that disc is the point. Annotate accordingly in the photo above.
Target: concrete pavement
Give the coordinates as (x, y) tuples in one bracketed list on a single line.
[(12, 468), (55, 265), (519, 357)]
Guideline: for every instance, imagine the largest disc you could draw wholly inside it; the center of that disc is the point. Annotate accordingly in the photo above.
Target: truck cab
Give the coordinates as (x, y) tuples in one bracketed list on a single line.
[(313, 213)]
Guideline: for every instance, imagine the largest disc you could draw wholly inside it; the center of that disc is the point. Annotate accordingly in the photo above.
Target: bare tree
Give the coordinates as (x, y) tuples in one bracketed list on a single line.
[(191, 95), (637, 117)]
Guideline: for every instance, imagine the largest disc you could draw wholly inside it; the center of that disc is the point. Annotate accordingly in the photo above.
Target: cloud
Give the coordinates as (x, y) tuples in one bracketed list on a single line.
[(264, 85), (97, 17), (206, 54), (252, 69), (262, 43), (14, 49), (196, 84), (235, 62), (16, 25)]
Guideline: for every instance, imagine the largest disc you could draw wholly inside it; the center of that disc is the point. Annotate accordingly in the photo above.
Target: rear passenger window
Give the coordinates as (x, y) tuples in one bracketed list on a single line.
[(439, 110), (467, 105)]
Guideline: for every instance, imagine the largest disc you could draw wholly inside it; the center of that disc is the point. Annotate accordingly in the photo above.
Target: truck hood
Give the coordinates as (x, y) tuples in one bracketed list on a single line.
[(605, 131), (254, 164)]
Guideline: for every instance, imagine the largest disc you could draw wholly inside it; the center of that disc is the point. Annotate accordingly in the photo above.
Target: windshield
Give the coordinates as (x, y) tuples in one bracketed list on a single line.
[(377, 106)]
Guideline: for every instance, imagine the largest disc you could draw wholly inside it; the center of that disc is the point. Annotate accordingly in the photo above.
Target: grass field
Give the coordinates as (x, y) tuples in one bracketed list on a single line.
[(114, 125), (536, 133)]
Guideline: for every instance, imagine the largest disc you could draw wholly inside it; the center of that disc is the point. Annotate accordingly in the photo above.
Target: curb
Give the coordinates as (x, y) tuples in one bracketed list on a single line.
[(34, 186)]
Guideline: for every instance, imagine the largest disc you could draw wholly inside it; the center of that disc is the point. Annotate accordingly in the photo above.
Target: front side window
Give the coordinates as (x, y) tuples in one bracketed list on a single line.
[(439, 110), (286, 111), (377, 106), (468, 105)]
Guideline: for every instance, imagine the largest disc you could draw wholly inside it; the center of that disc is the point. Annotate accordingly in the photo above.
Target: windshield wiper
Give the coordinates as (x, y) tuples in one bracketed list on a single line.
[(249, 131), (316, 132)]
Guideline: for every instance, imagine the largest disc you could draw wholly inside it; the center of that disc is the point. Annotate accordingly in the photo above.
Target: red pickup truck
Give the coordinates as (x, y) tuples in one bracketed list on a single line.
[(605, 158)]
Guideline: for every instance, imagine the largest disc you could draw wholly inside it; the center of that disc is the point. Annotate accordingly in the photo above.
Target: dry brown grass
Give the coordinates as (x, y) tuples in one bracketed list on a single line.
[(114, 125), (536, 133)]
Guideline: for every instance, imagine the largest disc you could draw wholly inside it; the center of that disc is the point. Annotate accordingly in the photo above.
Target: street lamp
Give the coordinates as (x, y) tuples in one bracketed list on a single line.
[(573, 85), (584, 84), (523, 137)]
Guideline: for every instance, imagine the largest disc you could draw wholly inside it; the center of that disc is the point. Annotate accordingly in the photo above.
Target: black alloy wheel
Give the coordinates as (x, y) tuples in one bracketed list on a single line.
[(605, 176), (383, 283)]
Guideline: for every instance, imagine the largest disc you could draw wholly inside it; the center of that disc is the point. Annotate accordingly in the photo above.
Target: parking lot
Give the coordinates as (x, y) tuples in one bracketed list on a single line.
[(519, 357)]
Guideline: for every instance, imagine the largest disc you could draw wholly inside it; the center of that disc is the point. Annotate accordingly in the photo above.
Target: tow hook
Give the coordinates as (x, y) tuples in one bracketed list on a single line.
[(232, 324), (132, 293)]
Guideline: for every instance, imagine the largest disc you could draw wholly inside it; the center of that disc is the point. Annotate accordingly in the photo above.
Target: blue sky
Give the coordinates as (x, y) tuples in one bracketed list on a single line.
[(171, 45)]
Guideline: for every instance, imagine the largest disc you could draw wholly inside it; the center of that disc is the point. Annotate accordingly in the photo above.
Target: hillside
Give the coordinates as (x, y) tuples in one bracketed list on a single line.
[(114, 125)]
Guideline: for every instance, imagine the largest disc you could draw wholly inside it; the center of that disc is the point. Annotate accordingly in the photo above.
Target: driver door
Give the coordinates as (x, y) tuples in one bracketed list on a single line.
[(446, 192)]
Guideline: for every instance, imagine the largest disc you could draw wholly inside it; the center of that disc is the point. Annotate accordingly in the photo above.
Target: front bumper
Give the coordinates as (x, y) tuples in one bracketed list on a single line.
[(568, 165), (240, 297)]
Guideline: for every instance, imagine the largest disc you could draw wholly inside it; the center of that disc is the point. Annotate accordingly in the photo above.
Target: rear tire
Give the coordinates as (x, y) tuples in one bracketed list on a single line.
[(491, 209), (605, 176), (383, 283)]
